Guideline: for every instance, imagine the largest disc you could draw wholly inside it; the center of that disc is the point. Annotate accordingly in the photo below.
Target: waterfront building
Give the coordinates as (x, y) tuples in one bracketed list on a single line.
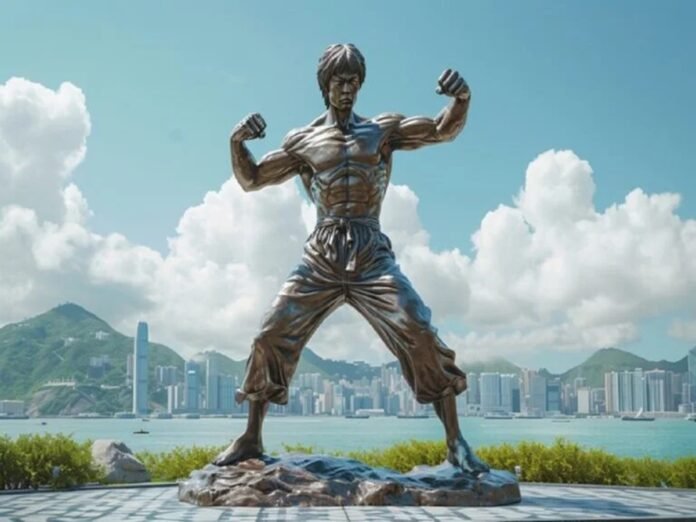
[(212, 382), (639, 391), (166, 375), (141, 350), (490, 392), (579, 382), (658, 390), (625, 391), (11, 408), (583, 395), (553, 396), (307, 404), (192, 384), (610, 392), (227, 388), (691, 365), (175, 397), (474, 389), (328, 393), (569, 399), (509, 384), (533, 393), (597, 401)]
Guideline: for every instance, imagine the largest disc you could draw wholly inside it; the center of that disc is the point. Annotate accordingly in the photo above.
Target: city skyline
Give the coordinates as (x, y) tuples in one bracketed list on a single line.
[(200, 386), (559, 222)]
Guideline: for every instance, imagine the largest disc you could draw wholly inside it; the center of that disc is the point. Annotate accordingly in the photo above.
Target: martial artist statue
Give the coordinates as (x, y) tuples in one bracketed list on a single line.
[(344, 161)]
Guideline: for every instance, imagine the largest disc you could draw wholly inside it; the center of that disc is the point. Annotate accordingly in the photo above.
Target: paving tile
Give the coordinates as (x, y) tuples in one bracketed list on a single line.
[(540, 502)]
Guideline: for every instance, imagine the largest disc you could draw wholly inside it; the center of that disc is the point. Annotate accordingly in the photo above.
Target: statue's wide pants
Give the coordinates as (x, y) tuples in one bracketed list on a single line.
[(350, 261)]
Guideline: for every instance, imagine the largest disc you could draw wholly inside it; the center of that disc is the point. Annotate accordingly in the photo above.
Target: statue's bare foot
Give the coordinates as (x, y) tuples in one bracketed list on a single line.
[(461, 455), (243, 448)]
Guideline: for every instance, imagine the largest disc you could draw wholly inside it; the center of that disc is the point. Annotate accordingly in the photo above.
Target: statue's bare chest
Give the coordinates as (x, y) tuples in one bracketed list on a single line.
[(328, 147)]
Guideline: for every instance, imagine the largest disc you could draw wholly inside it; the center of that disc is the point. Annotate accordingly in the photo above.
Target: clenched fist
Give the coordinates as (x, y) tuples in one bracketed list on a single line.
[(250, 128), (451, 84)]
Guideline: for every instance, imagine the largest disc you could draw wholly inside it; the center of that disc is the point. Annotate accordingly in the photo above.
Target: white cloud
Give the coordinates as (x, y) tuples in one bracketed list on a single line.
[(550, 272)]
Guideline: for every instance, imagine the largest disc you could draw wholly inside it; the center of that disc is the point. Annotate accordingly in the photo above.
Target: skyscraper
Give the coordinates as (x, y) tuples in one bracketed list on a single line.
[(691, 362), (658, 390), (192, 386), (509, 382), (553, 395), (533, 392), (212, 378), (490, 392), (141, 350)]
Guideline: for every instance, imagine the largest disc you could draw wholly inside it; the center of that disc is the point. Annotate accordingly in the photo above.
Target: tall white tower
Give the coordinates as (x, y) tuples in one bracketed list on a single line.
[(141, 349)]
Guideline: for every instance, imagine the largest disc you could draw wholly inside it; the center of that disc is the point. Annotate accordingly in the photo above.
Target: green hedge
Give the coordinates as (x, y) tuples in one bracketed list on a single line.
[(561, 462), (177, 463), (29, 462)]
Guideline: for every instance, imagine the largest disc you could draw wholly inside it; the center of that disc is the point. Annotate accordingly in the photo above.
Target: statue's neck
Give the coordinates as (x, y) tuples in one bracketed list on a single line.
[(340, 117)]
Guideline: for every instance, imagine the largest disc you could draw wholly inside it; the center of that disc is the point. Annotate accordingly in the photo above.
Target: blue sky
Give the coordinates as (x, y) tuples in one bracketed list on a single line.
[(166, 81)]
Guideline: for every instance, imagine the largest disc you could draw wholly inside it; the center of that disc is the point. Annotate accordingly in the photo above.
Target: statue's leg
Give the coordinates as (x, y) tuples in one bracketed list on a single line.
[(303, 303), (402, 320), (458, 451), (248, 445)]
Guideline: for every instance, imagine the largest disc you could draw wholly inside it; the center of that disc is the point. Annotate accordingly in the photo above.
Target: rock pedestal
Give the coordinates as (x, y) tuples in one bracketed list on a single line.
[(319, 480), (120, 464)]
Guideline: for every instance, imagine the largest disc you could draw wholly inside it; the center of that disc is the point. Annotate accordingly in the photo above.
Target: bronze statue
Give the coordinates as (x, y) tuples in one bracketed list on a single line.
[(344, 161)]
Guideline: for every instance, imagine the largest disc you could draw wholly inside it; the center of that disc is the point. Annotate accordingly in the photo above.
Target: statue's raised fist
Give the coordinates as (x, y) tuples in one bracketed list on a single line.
[(251, 127), (451, 84)]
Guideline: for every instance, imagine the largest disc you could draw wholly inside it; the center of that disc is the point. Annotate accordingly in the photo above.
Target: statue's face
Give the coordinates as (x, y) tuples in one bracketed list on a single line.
[(343, 90)]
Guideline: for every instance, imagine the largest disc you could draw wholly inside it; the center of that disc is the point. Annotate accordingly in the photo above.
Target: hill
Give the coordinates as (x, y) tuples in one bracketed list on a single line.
[(310, 362), (496, 364), (613, 359), (58, 345)]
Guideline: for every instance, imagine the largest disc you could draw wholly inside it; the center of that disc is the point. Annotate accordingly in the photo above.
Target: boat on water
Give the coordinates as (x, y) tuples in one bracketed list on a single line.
[(357, 416), (400, 416), (691, 417), (141, 432), (638, 417)]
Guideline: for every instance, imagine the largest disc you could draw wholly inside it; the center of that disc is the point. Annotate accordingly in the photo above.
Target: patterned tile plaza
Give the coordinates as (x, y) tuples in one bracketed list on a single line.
[(540, 502)]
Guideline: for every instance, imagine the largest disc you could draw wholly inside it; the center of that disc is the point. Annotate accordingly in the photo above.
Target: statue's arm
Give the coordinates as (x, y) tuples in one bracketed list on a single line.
[(414, 132), (274, 168)]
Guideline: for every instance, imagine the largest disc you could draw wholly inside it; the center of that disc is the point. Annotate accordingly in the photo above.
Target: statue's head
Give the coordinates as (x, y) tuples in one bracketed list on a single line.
[(341, 73)]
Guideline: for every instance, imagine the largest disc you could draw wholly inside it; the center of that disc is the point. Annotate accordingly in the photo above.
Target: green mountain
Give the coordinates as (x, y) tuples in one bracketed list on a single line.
[(310, 362), (58, 345), (613, 359), (496, 364)]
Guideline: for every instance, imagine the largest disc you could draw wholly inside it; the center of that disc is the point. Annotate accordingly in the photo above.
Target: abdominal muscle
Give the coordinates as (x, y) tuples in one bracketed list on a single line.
[(349, 191)]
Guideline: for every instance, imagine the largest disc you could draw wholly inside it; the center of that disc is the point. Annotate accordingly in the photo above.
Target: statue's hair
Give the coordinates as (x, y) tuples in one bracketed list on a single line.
[(339, 59)]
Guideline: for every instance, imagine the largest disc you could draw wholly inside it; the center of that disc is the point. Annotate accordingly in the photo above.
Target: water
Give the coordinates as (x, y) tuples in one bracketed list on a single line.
[(663, 438)]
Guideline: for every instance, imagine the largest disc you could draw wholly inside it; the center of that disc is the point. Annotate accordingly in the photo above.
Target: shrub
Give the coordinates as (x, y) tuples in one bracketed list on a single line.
[(561, 462), (30, 460), (177, 463)]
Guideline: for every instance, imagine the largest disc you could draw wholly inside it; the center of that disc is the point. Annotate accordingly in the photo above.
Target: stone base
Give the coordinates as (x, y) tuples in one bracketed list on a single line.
[(319, 480)]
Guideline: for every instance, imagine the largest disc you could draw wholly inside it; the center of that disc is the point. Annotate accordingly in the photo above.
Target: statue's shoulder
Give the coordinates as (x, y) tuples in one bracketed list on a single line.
[(295, 137)]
